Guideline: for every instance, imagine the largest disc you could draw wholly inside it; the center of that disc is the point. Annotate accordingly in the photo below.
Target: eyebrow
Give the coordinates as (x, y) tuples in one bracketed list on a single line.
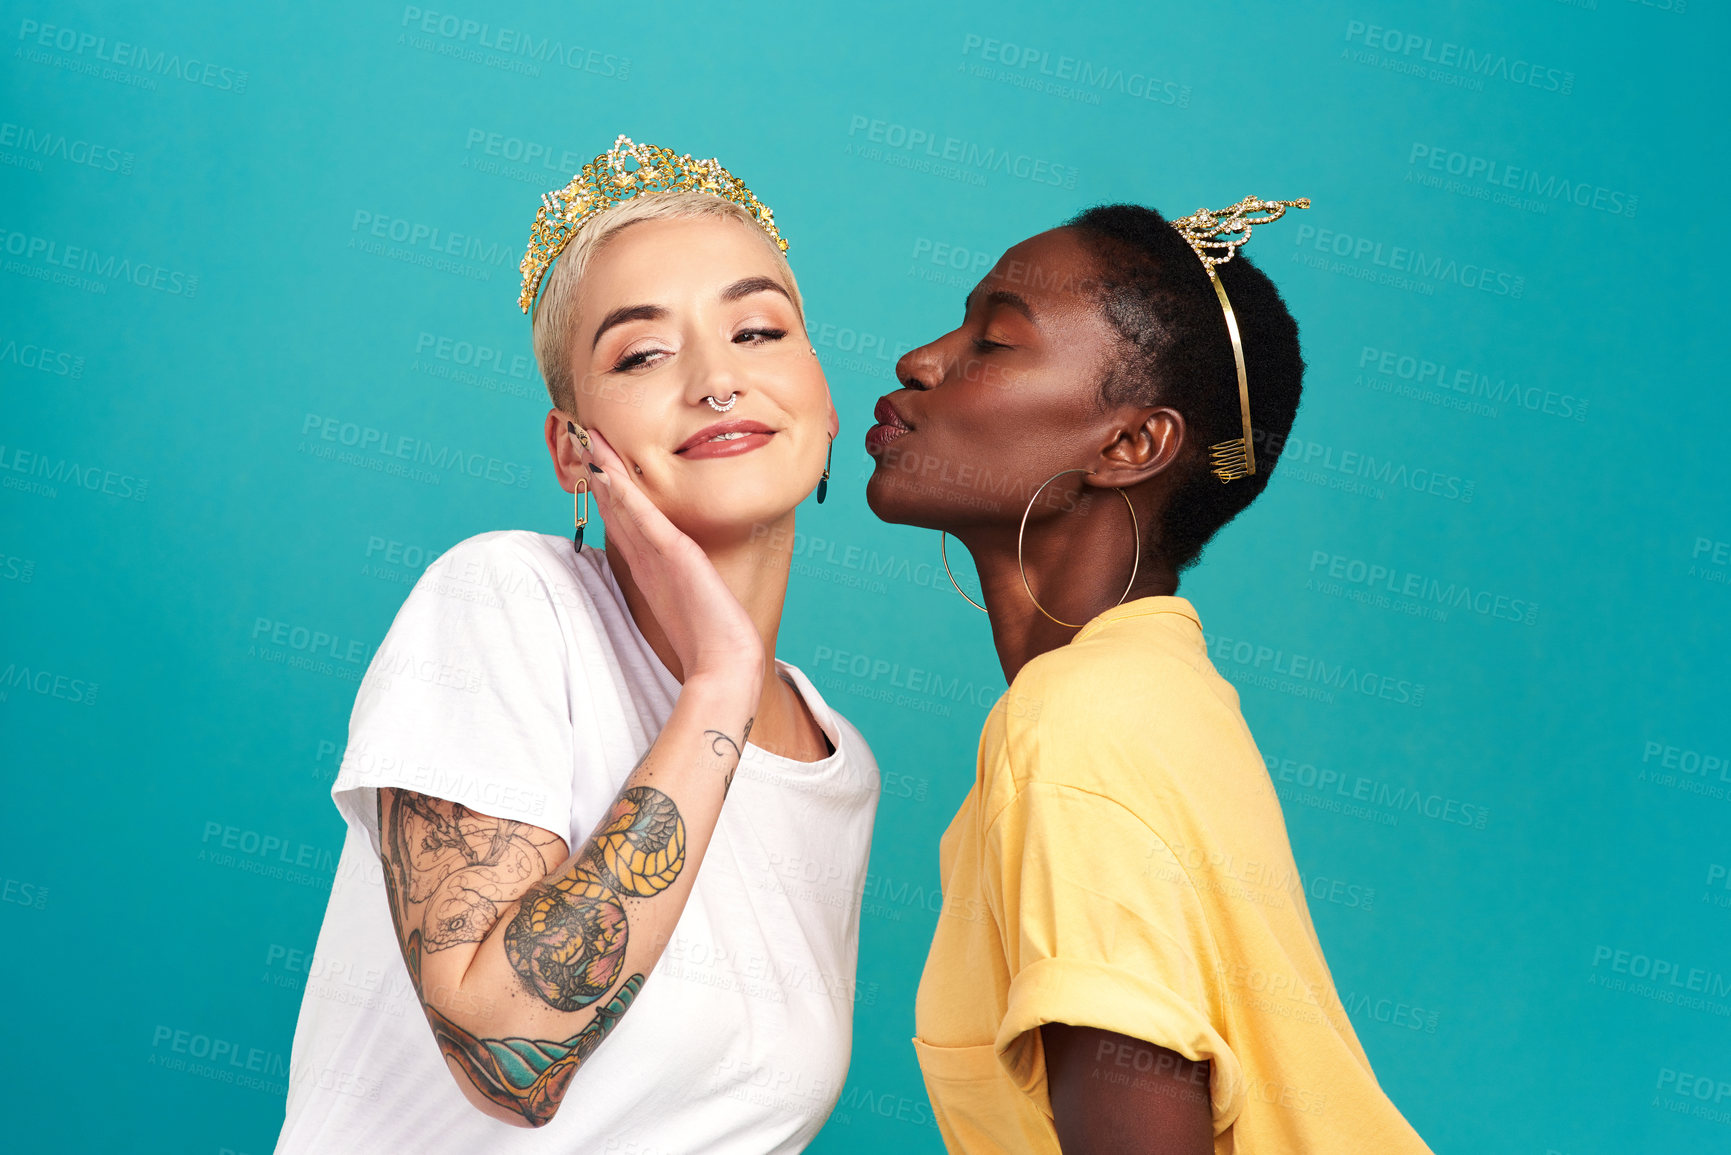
[(626, 313), (739, 290), (1003, 297), (749, 285)]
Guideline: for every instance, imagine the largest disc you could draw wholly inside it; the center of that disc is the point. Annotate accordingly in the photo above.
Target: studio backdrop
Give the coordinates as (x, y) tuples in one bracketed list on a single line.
[(261, 363)]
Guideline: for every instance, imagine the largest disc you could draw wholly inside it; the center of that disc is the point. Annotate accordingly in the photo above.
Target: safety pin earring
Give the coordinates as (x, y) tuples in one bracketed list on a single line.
[(580, 495), (823, 482), (582, 512)]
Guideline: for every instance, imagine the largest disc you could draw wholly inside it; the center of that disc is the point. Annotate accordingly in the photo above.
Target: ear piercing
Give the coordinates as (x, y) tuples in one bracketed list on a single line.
[(580, 492)]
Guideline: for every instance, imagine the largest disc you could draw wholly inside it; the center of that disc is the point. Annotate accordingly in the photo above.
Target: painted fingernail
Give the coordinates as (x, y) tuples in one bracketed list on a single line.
[(571, 427), (594, 469)]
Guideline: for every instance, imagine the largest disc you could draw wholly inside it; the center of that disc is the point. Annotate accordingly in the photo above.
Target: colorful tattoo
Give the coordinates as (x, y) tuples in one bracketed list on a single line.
[(529, 1076), (448, 871), (568, 939)]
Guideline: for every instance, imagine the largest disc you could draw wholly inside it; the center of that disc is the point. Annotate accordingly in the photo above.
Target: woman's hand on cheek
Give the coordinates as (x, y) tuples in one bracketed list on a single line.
[(705, 624)]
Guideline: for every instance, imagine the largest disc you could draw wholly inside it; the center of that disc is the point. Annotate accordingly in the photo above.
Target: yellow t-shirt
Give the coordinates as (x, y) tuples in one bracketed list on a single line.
[(1121, 863)]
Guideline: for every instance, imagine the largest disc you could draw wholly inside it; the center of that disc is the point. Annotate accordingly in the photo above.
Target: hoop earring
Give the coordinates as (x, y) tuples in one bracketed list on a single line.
[(945, 554), (823, 482), (1135, 530), (580, 504)]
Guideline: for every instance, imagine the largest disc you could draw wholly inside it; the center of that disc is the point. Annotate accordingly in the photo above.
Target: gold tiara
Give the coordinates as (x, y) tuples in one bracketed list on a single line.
[(1216, 236), (624, 171)]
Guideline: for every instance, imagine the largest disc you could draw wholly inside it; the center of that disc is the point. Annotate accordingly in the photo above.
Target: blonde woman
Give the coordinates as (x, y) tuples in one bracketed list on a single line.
[(576, 781)]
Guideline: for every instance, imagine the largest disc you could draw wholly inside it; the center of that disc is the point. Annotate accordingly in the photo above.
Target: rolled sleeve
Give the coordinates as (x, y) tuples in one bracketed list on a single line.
[(469, 697), (1096, 934)]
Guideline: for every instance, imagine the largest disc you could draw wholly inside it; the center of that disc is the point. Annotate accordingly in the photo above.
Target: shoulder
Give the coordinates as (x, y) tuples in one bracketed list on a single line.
[(1111, 713), (1102, 679), (514, 569), (496, 598), (502, 551)]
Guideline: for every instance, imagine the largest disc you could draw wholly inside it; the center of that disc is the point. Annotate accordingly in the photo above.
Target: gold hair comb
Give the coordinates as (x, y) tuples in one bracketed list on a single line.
[(1216, 236)]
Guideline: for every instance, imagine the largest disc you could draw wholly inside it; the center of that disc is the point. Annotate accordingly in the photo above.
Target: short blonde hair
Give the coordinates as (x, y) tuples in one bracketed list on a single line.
[(556, 311)]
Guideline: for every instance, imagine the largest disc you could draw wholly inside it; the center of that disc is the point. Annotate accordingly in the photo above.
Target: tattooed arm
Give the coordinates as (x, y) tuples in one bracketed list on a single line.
[(525, 955), (526, 952)]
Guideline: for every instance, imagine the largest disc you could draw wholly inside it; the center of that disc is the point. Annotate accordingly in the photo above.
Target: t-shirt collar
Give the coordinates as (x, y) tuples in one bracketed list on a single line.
[(1140, 608)]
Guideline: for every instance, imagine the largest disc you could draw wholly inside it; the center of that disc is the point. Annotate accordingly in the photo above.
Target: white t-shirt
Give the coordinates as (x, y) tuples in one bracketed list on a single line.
[(514, 682)]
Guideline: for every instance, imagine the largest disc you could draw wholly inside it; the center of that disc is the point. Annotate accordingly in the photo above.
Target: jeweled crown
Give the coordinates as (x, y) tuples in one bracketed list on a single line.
[(626, 170), (1224, 231), (1216, 236)]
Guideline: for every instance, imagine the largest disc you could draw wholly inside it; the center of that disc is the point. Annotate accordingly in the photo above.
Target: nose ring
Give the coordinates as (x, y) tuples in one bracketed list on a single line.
[(723, 406)]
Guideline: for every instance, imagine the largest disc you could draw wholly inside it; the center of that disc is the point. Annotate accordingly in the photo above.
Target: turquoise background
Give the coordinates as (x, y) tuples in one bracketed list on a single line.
[(1513, 960)]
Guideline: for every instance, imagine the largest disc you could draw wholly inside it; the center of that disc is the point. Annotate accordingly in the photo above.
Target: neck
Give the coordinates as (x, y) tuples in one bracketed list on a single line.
[(1078, 567), (755, 568)]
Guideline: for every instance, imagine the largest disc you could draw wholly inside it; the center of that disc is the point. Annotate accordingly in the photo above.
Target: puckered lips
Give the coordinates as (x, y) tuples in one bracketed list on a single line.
[(726, 439), (890, 425)]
